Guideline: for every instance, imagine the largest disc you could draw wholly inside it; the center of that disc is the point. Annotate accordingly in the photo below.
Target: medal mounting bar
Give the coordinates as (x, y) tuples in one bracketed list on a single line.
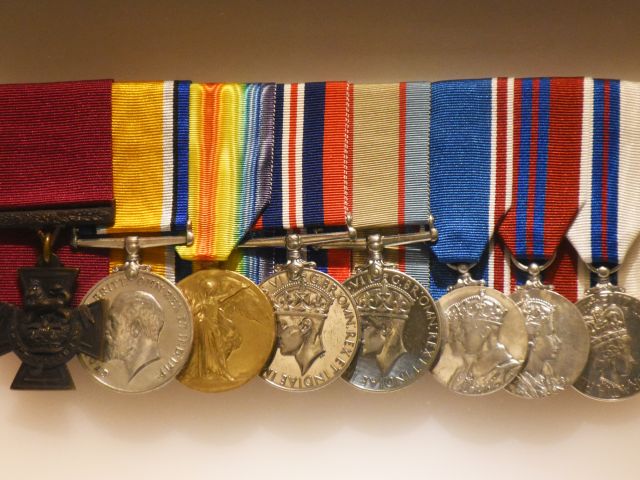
[(132, 244), (39, 218), (296, 242), (427, 233)]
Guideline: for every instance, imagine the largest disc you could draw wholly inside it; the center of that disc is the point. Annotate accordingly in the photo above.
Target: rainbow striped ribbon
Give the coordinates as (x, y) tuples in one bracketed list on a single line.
[(230, 163), (150, 129)]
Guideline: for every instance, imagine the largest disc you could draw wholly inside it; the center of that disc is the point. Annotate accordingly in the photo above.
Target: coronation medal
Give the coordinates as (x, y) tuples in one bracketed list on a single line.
[(603, 233), (400, 321), (613, 319), (149, 329), (318, 327), (545, 202), (558, 337), (484, 343), (484, 338)]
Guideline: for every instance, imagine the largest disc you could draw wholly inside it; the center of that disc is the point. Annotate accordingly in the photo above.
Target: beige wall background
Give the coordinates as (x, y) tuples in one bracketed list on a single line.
[(258, 432), (362, 41)]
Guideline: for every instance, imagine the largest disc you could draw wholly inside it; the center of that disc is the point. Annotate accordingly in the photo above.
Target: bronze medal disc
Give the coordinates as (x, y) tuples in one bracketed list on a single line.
[(234, 330)]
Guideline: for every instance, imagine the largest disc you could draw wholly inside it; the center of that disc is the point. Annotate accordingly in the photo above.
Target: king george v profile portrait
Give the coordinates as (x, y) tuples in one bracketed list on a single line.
[(384, 315), (300, 315), (133, 330)]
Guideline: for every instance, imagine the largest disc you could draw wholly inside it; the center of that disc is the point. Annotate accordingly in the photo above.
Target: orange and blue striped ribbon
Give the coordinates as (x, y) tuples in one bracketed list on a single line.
[(230, 163), (150, 131)]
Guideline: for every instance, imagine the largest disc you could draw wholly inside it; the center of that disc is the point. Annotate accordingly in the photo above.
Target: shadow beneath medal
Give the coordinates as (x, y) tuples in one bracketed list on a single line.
[(234, 416)]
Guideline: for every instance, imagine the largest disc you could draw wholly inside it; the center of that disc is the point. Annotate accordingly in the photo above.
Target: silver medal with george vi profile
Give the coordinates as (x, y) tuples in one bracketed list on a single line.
[(485, 340), (558, 337), (400, 321), (613, 319), (318, 328), (149, 329)]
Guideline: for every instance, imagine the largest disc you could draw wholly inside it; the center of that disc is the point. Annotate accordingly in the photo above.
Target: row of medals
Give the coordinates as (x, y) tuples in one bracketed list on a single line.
[(380, 330)]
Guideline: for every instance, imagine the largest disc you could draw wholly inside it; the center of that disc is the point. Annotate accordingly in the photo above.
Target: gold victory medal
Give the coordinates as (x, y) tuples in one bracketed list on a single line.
[(234, 330)]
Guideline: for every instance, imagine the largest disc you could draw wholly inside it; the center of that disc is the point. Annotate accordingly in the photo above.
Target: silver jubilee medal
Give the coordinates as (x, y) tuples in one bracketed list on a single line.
[(318, 328), (149, 330), (400, 324), (613, 319), (484, 338), (558, 338)]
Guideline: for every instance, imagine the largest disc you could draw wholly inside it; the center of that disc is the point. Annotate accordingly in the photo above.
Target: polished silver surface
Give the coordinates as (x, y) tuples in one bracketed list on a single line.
[(400, 330), (613, 319), (559, 342), (317, 329), (149, 332), (484, 339)]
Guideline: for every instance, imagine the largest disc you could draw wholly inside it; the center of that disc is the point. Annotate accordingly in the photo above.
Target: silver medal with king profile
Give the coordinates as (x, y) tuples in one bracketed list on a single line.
[(558, 338), (485, 340), (149, 329), (400, 325), (316, 319)]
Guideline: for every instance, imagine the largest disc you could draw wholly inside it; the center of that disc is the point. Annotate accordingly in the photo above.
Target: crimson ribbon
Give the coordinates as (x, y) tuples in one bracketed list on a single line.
[(55, 153)]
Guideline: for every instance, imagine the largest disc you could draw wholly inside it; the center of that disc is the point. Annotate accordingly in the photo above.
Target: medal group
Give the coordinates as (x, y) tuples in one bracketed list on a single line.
[(473, 230)]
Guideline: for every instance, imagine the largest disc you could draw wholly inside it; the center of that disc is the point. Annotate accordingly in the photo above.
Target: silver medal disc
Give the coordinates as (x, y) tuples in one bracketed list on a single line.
[(318, 330), (613, 367), (149, 332), (559, 343), (484, 340), (400, 330)]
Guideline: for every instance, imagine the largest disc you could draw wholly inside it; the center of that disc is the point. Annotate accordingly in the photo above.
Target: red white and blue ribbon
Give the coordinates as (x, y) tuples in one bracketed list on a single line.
[(608, 223), (310, 156), (547, 148)]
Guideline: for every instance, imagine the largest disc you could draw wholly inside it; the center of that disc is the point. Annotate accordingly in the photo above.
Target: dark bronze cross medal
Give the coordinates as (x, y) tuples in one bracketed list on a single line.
[(48, 332)]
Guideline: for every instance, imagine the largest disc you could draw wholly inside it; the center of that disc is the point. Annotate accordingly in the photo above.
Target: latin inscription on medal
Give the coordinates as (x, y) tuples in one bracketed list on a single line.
[(401, 330), (149, 332), (559, 343), (613, 367), (317, 330), (485, 342)]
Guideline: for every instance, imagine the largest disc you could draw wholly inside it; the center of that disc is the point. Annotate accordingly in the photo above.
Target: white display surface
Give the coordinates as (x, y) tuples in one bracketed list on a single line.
[(258, 431)]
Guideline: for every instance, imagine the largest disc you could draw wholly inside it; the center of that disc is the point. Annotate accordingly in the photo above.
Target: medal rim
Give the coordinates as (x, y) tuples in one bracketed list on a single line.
[(357, 340), (188, 353)]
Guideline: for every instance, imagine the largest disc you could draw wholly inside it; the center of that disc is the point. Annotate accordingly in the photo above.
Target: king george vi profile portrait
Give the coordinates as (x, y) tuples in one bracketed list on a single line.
[(133, 330), (384, 314), (474, 338), (301, 313)]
